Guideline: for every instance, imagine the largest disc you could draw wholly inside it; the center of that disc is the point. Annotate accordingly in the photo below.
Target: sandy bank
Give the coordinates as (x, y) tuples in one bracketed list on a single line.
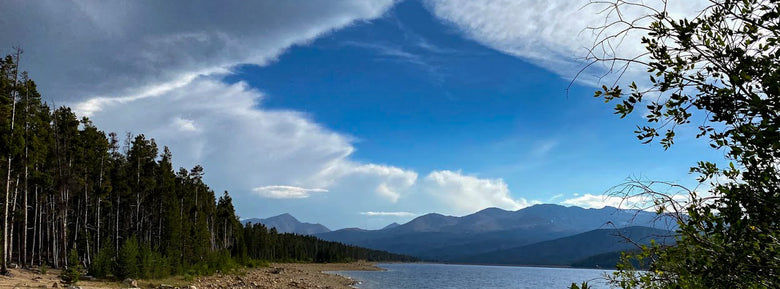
[(287, 276), (277, 276)]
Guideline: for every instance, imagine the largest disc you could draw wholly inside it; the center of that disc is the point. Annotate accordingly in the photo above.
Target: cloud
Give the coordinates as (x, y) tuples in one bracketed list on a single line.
[(549, 33), (468, 194), (285, 192), (641, 201), (392, 51), (79, 50), (589, 201), (553, 198), (184, 124), (388, 214), (542, 148), (218, 125)]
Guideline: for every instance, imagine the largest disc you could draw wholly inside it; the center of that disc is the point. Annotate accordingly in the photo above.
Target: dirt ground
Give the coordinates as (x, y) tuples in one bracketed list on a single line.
[(276, 276), (279, 276)]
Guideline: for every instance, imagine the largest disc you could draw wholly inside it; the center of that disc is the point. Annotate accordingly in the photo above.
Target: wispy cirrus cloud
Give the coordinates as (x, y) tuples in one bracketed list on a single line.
[(285, 192), (388, 214), (553, 34)]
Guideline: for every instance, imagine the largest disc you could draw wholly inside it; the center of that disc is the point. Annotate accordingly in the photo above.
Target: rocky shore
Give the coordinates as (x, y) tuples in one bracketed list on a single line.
[(276, 276), (283, 276)]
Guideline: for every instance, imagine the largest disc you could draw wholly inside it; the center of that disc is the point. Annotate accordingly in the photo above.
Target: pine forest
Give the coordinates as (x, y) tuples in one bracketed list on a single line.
[(113, 204)]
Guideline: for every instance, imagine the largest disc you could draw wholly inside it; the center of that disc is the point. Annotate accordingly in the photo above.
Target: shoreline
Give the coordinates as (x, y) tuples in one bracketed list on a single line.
[(289, 275), (275, 276)]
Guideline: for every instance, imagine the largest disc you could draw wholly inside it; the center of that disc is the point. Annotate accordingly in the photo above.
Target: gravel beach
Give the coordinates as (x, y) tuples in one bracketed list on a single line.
[(276, 276)]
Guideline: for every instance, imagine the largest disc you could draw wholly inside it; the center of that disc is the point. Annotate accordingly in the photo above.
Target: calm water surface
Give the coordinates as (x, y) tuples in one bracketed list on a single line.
[(419, 276)]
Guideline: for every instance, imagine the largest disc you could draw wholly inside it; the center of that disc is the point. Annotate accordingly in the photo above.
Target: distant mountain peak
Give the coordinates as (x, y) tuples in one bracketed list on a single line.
[(286, 223), (284, 216), (393, 225), (491, 210)]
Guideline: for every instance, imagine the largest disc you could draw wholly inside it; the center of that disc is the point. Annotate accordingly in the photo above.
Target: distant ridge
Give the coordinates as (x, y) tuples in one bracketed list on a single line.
[(572, 250), (286, 223), (436, 237)]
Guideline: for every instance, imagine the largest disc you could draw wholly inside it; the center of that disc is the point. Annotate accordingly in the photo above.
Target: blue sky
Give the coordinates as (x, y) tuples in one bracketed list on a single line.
[(358, 114)]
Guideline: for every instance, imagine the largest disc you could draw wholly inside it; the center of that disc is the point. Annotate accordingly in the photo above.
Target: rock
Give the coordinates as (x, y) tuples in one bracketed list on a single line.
[(165, 286), (130, 282), (55, 285), (74, 287), (192, 287)]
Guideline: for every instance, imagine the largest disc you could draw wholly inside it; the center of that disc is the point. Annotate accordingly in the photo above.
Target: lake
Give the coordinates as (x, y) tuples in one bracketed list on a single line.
[(419, 276)]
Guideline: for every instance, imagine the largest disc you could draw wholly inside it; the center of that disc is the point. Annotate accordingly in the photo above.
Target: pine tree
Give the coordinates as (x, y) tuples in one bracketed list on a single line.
[(127, 263)]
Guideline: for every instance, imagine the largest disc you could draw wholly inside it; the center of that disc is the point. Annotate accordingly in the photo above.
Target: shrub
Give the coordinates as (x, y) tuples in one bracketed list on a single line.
[(72, 272), (102, 265), (127, 264)]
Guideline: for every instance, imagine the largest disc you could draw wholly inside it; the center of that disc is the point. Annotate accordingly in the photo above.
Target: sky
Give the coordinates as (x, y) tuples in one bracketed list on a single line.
[(355, 113)]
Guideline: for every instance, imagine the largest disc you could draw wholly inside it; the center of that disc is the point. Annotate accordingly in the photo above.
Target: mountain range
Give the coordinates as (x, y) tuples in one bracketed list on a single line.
[(537, 235)]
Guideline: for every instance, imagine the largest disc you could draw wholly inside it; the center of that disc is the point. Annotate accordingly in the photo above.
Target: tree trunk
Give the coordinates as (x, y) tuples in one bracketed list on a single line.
[(99, 245), (86, 217), (4, 265), (116, 229), (13, 213), (64, 245), (35, 226), (26, 175)]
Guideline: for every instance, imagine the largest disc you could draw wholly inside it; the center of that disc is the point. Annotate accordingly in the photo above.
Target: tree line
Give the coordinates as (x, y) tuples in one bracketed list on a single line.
[(115, 205)]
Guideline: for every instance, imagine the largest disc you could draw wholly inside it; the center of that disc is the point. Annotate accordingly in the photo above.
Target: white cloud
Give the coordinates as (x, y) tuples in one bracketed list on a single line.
[(549, 33), (553, 198), (645, 201), (589, 201), (285, 192), (238, 143), (388, 214), (184, 124), (388, 182), (468, 194)]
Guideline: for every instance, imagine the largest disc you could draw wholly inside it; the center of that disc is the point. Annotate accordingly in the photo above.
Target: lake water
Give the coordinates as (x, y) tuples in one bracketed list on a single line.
[(420, 276)]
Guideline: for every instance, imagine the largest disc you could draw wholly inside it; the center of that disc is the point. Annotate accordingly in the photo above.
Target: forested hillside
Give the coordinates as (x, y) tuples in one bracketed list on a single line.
[(114, 203)]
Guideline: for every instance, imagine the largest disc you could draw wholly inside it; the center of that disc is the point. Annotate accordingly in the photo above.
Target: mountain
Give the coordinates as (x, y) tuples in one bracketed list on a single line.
[(437, 237), (393, 225), (285, 223), (569, 250)]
